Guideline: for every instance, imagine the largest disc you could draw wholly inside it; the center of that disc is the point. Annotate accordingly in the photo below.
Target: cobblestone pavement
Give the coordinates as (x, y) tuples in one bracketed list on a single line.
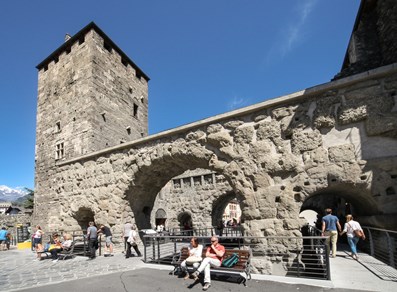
[(21, 272), (20, 269)]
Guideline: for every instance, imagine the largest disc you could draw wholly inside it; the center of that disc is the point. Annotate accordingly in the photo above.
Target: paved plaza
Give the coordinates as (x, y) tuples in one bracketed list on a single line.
[(21, 272)]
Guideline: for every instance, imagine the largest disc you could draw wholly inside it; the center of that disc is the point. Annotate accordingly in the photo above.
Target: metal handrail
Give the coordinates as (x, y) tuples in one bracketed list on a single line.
[(299, 256), (381, 244), (207, 231)]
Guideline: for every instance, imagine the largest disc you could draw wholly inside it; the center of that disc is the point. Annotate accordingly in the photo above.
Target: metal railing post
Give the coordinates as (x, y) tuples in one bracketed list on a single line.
[(371, 242), (328, 267), (390, 250), (158, 250), (153, 247), (100, 245), (144, 249), (174, 245), (84, 246)]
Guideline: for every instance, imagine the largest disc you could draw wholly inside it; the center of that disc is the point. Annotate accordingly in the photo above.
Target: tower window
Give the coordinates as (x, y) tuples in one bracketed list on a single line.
[(59, 151), (81, 40), (124, 62), (58, 126), (68, 50), (128, 130), (103, 116), (135, 113), (390, 191), (107, 47)]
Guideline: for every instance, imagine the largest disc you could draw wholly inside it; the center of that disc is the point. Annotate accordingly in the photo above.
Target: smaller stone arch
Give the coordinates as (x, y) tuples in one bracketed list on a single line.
[(83, 216), (343, 199), (220, 204), (185, 220), (160, 217)]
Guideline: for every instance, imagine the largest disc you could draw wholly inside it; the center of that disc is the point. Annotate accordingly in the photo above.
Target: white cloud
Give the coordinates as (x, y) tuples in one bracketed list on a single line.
[(237, 102), (293, 33)]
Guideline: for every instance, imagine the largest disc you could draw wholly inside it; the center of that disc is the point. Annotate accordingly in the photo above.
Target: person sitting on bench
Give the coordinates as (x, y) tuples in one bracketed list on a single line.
[(195, 250), (213, 257), (58, 246)]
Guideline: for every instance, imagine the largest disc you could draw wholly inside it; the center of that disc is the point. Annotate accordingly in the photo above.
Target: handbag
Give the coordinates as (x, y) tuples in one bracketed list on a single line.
[(358, 233), (193, 259)]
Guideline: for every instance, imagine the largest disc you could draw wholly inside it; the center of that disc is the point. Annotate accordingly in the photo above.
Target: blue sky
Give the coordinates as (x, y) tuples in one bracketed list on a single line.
[(203, 57)]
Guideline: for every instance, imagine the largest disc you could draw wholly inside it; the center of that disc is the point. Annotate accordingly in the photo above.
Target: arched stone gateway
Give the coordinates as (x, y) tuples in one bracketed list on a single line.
[(83, 216), (277, 157), (219, 205), (160, 217)]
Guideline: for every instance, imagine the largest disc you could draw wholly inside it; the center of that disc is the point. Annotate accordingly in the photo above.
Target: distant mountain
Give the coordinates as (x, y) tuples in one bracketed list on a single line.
[(8, 194)]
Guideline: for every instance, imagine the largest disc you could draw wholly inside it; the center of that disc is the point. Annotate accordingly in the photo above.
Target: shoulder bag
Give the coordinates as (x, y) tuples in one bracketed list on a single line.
[(193, 259)]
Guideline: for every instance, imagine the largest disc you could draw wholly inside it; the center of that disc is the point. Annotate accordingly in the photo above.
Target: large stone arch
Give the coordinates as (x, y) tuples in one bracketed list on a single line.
[(159, 165)]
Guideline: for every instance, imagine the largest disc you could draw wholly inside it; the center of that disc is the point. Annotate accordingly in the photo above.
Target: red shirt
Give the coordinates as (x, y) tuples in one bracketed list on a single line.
[(213, 255)]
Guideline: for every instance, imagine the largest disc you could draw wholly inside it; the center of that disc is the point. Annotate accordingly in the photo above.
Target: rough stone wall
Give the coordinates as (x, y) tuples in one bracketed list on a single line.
[(116, 90), (273, 158), (182, 194)]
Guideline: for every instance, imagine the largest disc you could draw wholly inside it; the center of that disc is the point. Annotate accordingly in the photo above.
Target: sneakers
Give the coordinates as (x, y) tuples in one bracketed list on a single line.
[(187, 276), (206, 286), (54, 261), (195, 275)]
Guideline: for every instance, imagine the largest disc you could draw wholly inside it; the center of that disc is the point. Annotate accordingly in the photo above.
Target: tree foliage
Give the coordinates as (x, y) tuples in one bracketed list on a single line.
[(29, 199), (26, 201)]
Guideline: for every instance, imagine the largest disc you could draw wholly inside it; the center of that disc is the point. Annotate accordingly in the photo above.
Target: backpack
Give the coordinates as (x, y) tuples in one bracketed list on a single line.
[(230, 261)]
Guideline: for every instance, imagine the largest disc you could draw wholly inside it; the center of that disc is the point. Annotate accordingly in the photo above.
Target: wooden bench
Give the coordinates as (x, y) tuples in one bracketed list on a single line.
[(62, 255), (241, 269), (65, 253)]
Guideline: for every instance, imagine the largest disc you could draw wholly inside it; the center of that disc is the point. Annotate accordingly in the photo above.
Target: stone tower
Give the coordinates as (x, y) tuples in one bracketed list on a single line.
[(91, 96)]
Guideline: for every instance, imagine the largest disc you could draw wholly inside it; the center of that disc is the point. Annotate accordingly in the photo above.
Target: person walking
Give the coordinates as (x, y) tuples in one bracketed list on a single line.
[(213, 257), (126, 231), (3, 238), (92, 239), (330, 225), (131, 241), (350, 227)]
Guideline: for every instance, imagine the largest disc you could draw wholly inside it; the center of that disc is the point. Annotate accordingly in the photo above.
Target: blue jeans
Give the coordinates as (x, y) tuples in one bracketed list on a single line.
[(353, 243)]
